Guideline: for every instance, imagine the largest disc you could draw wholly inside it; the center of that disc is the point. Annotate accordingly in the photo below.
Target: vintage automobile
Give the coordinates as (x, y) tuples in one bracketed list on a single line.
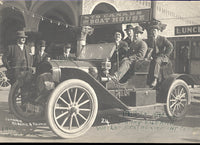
[(67, 94), (4, 81)]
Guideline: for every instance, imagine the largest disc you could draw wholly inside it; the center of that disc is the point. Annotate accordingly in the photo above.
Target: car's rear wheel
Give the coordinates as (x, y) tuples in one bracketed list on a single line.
[(71, 108), (20, 105), (177, 100)]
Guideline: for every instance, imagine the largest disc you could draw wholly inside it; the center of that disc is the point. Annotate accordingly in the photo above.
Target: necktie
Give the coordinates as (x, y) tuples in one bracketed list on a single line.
[(117, 52), (155, 47)]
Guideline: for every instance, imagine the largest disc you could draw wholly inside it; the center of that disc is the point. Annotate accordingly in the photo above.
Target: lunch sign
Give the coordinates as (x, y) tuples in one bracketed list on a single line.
[(133, 16), (187, 30)]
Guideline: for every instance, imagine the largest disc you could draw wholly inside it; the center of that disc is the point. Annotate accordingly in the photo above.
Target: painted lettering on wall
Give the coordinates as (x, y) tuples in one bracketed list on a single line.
[(118, 17)]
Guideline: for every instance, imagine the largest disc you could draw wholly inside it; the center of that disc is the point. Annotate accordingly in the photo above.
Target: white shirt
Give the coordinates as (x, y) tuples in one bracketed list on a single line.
[(21, 46), (41, 53)]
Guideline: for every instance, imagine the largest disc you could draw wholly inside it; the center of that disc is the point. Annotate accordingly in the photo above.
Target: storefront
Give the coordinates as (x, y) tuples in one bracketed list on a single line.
[(187, 49), (53, 21)]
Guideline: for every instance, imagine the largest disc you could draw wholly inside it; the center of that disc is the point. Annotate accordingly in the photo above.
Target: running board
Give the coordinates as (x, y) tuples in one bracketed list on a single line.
[(195, 95)]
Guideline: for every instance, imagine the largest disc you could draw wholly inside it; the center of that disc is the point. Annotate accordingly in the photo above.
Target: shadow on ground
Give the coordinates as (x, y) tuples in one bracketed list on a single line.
[(12, 127)]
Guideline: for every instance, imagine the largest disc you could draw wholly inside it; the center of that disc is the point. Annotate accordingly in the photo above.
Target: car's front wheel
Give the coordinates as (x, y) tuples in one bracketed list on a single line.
[(71, 108)]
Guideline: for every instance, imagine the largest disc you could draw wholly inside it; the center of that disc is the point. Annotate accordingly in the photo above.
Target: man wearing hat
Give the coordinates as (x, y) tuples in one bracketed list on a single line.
[(41, 55), (161, 52), (130, 34), (18, 58), (66, 53), (137, 51), (120, 51)]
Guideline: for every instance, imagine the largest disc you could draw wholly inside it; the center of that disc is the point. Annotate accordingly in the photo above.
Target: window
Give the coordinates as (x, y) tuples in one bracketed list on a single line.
[(195, 50)]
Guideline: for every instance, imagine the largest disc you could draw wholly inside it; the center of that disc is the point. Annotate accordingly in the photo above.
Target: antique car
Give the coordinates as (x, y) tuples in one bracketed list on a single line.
[(67, 94), (4, 81)]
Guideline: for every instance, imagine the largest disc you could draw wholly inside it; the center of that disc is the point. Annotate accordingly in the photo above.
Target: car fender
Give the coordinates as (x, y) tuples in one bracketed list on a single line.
[(165, 85), (103, 95)]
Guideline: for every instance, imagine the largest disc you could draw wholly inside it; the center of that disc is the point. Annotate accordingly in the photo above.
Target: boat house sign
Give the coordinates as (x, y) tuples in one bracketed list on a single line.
[(187, 30), (133, 16)]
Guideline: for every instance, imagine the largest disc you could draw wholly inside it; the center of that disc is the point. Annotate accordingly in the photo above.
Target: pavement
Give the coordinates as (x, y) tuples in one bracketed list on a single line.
[(110, 126)]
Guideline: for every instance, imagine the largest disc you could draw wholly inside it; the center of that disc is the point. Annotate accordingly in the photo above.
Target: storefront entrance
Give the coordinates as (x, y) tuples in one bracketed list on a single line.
[(182, 56)]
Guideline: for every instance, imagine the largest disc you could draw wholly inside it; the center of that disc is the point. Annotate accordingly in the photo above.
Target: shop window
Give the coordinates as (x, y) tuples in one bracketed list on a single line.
[(195, 50)]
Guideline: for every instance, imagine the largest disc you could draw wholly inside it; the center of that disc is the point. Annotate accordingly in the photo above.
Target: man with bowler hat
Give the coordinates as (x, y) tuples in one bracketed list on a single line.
[(18, 58), (130, 34), (41, 55), (137, 51), (66, 53)]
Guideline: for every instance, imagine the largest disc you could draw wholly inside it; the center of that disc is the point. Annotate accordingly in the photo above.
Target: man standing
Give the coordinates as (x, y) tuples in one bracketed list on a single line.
[(41, 55), (162, 50), (18, 58), (66, 53), (130, 34), (137, 51)]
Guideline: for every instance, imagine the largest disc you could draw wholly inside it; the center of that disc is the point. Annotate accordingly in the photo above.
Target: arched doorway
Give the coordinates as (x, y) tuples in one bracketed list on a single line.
[(52, 31), (103, 33), (12, 21)]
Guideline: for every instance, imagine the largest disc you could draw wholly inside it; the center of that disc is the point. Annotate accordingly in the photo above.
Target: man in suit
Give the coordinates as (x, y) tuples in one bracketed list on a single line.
[(130, 34), (41, 55), (137, 51), (66, 53), (161, 52), (18, 59), (120, 51)]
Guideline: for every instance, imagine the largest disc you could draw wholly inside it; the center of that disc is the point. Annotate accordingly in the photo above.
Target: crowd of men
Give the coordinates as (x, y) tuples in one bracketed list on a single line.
[(19, 58), (133, 48)]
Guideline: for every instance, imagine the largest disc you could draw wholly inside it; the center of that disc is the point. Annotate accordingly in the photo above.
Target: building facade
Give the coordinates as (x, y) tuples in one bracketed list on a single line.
[(57, 21)]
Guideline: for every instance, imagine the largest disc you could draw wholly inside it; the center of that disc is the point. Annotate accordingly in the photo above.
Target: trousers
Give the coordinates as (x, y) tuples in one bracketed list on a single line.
[(158, 61), (124, 67)]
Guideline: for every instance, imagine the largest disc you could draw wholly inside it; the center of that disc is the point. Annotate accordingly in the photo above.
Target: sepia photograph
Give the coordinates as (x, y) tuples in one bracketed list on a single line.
[(99, 71)]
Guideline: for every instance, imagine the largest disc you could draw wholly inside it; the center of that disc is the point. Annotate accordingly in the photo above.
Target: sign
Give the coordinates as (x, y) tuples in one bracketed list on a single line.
[(187, 30), (133, 16)]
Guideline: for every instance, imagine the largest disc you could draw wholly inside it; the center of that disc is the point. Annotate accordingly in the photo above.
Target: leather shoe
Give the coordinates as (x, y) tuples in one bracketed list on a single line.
[(113, 78)]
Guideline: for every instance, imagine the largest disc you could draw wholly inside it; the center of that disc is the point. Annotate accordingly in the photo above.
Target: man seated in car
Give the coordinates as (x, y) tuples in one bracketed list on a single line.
[(137, 51), (161, 52), (66, 53), (120, 51)]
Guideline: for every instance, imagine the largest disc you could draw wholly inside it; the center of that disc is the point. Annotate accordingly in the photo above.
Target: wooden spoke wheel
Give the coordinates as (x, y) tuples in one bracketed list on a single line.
[(4, 82), (72, 108), (21, 107), (177, 100)]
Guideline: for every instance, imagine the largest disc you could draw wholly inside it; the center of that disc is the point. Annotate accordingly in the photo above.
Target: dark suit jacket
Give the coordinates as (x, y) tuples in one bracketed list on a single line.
[(122, 50), (70, 56), (128, 41), (137, 50), (38, 58), (163, 47), (15, 58)]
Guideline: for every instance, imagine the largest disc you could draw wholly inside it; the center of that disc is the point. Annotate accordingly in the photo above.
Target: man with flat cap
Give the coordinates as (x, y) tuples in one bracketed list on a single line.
[(18, 58), (161, 52), (137, 51)]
